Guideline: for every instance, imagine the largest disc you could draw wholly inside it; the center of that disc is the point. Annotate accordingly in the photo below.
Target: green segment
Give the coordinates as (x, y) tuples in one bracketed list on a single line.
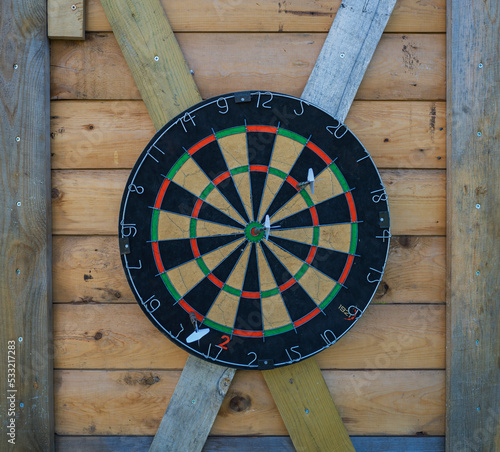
[(240, 169), (231, 290), (203, 266), (270, 293), (207, 190), (170, 287), (277, 172), (281, 329), (340, 177), (154, 225), (315, 236), (217, 326), (330, 297), (192, 228), (301, 272), (231, 131), (177, 165), (292, 135), (307, 198), (354, 238)]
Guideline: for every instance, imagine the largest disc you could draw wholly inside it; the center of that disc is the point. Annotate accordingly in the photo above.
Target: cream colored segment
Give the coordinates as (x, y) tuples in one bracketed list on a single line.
[(291, 263), (219, 202), (237, 277), (234, 148), (335, 237), (326, 186), (303, 235), (185, 277), (224, 308), (266, 278), (191, 177), (172, 226), (242, 182), (213, 259), (296, 204), (206, 228), (274, 313), (273, 184), (316, 284), (285, 153)]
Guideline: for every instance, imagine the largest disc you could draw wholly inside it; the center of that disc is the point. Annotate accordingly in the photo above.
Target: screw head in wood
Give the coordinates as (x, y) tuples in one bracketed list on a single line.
[(73, 7), (480, 65), (18, 203), (156, 58), (342, 55), (16, 66), (478, 206), (18, 139)]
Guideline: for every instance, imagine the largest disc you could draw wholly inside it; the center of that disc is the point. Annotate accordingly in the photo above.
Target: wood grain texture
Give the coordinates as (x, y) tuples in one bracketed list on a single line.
[(473, 366), (270, 16), (193, 407), (404, 67), (25, 251), (93, 336), (88, 134), (66, 19), (87, 202), (346, 54), (248, 444), (153, 57), (89, 270), (304, 402), (122, 402)]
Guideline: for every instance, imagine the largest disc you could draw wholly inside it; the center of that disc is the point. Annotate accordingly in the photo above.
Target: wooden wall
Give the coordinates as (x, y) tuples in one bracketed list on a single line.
[(114, 372)]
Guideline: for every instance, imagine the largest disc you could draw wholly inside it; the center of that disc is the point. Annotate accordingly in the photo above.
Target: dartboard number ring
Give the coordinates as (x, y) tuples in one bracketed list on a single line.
[(254, 230)]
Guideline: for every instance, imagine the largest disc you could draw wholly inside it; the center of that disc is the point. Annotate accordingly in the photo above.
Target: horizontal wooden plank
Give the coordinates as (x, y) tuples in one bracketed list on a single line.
[(248, 443), (379, 402), (115, 336), (290, 15), (89, 135), (87, 202), (403, 67), (89, 270)]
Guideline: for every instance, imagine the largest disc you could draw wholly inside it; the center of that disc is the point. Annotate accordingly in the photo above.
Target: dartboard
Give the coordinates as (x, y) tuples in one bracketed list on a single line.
[(254, 230)]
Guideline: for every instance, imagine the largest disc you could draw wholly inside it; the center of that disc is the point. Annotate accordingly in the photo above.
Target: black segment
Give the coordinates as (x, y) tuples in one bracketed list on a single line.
[(202, 296), (178, 200), (334, 211), (175, 252), (224, 269), (285, 193), (280, 273), (208, 244), (300, 250), (302, 219), (209, 213), (330, 262), (297, 302), (260, 147), (307, 159), (257, 184), (251, 282), (249, 315)]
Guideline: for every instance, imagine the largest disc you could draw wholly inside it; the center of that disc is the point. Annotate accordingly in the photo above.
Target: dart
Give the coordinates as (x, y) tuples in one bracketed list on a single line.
[(310, 180), (197, 334)]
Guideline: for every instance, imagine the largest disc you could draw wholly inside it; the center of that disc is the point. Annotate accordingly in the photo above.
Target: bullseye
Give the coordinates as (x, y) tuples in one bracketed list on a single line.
[(254, 231)]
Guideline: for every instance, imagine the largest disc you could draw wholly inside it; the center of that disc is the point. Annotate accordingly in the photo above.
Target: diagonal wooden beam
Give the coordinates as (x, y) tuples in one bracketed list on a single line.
[(299, 390)]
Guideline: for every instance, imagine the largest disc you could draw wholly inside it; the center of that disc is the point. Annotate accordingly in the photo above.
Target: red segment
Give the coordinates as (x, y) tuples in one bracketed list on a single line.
[(161, 193), (320, 153), (306, 318), (189, 309), (312, 253), (194, 247), (215, 280), (352, 207), (197, 207), (268, 129), (200, 144), (220, 178), (250, 294), (314, 215), (156, 253), (347, 267), (248, 333), (288, 284), (292, 181), (260, 168)]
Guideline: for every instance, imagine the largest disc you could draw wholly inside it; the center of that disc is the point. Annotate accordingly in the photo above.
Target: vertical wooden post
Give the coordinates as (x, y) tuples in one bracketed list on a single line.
[(473, 162), (26, 406)]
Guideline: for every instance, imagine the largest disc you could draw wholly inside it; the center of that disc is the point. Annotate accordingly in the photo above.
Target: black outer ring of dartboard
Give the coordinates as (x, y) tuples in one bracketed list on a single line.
[(368, 195)]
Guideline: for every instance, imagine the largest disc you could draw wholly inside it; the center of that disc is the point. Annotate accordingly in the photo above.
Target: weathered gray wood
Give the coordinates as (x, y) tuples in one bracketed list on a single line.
[(26, 408), (345, 55), (194, 403), (248, 444), (473, 340)]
